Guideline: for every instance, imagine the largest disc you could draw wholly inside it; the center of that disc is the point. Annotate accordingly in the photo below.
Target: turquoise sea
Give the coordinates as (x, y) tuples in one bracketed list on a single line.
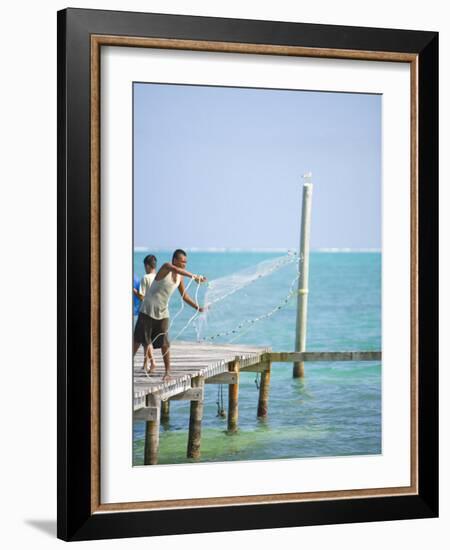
[(335, 410)]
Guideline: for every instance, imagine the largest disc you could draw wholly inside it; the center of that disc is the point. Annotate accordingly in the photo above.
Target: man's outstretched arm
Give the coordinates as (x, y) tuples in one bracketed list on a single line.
[(168, 267), (187, 298)]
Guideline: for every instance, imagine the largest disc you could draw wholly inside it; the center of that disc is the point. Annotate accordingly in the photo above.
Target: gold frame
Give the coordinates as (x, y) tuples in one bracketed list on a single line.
[(97, 41)]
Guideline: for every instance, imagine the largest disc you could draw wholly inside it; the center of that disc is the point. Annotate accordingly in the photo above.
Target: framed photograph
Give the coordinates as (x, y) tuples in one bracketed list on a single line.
[(247, 254)]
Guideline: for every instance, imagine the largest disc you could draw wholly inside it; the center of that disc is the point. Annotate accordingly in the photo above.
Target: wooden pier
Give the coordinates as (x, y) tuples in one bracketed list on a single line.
[(195, 364)]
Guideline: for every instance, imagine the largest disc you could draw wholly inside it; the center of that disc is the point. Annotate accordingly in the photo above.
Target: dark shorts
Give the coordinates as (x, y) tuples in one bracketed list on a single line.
[(151, 331)]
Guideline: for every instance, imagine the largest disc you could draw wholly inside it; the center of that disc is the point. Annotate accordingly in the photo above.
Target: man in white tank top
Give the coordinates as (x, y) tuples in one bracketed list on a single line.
[(152, 326)]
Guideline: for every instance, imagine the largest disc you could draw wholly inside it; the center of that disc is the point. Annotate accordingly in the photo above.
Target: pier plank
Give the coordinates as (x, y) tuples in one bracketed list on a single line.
[(223, 378), (194, 394), (288, 357)]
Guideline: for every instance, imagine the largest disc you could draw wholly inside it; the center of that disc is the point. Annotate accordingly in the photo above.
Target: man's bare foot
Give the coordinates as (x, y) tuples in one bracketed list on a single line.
[(149, 370), (167, 377)]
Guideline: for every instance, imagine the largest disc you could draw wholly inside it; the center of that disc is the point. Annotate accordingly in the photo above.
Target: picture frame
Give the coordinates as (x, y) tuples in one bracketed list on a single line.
[(81, 35)]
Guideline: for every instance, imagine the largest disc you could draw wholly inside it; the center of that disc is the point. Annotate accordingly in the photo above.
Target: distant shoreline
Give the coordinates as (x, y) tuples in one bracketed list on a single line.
[(260, 250)]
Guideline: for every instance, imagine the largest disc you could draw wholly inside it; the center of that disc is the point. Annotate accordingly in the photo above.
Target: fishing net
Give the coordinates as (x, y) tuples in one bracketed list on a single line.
[(223, 287), (243, 301)]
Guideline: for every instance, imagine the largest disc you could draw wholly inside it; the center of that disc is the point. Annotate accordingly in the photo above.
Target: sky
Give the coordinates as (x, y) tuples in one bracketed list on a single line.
[(219, 167)]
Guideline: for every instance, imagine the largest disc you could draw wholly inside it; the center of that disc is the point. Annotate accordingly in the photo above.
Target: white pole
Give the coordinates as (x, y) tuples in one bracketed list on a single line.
[(303, 265)]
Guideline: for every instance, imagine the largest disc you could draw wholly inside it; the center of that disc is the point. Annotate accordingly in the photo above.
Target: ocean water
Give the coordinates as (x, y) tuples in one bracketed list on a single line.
[(335, 410)]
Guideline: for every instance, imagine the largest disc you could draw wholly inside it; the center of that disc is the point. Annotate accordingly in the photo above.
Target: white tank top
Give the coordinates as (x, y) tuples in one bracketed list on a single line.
[(156, 301)]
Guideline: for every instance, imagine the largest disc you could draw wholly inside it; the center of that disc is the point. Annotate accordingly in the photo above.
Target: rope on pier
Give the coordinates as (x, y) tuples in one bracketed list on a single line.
[(220, 406)]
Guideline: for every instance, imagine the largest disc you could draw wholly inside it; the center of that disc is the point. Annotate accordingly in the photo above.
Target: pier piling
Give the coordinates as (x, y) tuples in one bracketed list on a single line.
[(233, 399), (302, 298), (151, 447), (165, 410), (195, 422), (263, 401)]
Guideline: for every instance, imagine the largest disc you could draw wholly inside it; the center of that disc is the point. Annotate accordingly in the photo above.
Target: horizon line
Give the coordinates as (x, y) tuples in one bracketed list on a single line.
[(263, 249)]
